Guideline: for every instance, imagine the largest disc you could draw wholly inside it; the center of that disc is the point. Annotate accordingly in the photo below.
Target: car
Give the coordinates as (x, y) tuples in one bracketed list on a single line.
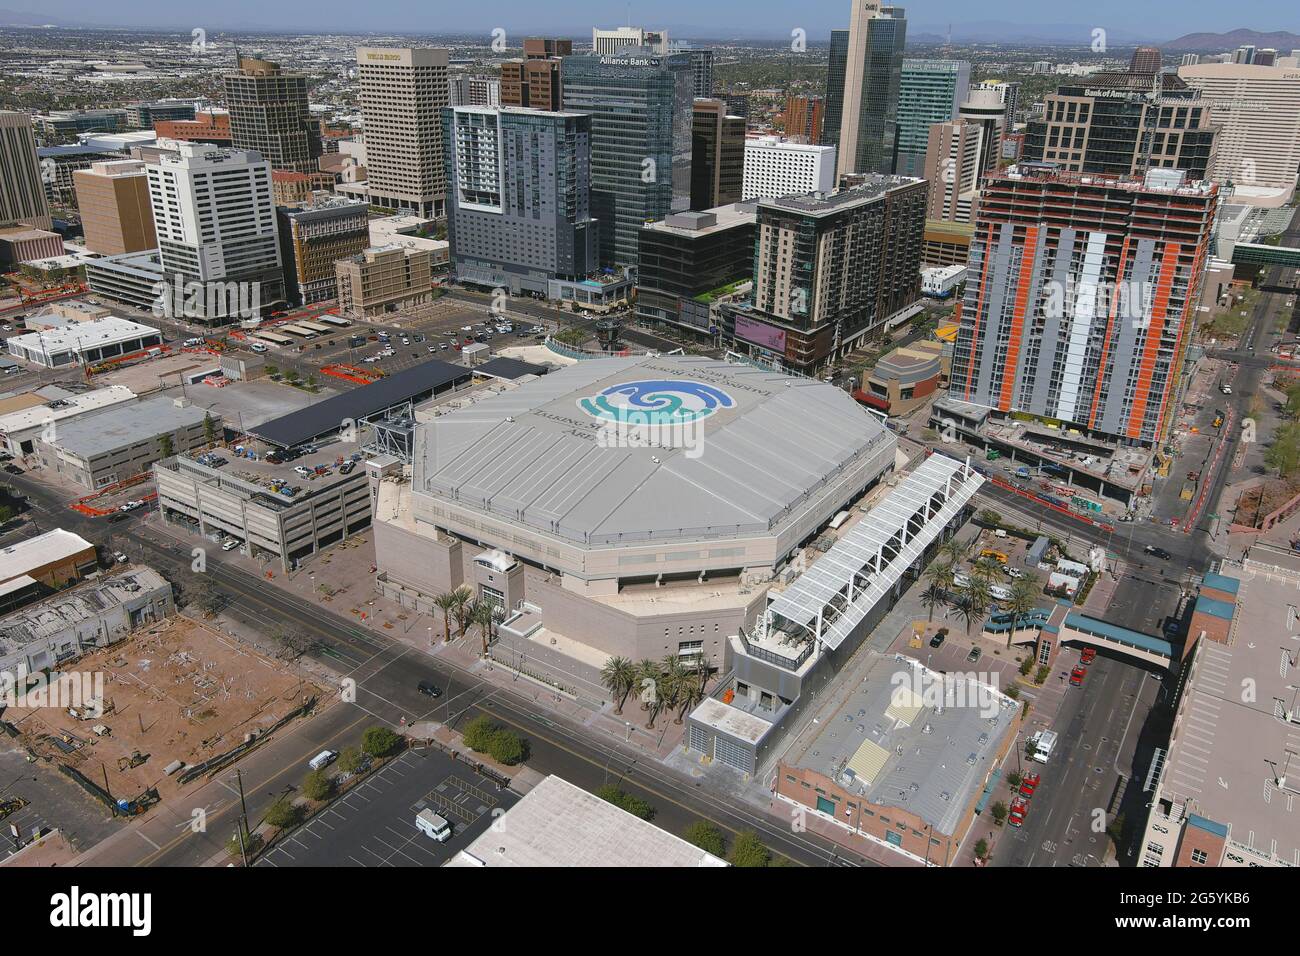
[(193, 343), (230, 544), (1193, 476), (1028, 784), (13, 369), (323, 759), (1077, 675), (347, 467), (257, 347), (117, 516), (974, 655), (467, 328), (429, 689), (940, 636), (1015, 573), (441, 348), (1018, 812), (434, 348), (1088, 656), (1155, 552), (119, 557), (1225, 389), (433, 825), (131, 505)]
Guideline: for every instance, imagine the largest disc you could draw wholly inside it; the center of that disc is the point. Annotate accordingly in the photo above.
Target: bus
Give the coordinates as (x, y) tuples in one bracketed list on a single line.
[(314, 327), (273, 338), (298, 330), (333, 320)]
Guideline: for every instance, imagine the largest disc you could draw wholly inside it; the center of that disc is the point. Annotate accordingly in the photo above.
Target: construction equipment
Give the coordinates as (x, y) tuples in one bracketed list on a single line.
[(11, 805), (135, 760)]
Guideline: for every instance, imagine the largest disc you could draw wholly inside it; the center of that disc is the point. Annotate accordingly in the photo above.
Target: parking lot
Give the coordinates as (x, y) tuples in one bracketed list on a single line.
[(374, 824)]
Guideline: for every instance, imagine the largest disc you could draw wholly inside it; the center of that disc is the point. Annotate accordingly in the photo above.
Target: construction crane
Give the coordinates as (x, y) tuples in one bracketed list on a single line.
[(1150, 122)]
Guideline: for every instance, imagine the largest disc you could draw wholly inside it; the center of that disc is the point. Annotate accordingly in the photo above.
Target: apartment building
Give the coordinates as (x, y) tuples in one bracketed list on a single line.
[(402, 90), (313, 238), (775, 167), (803, 118), (954, 160), (1081, 298), (116, 214), (22, 191), (377, 281)]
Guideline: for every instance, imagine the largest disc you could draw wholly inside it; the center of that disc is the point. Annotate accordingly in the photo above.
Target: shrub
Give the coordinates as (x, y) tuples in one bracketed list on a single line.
[(707, 837), (380, 742), (318, 785), (625, 801), (748, 850), (284, 814)]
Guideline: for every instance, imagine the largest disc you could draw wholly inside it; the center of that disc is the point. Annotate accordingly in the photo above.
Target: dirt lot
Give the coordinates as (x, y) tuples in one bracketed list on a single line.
[(176, 691)]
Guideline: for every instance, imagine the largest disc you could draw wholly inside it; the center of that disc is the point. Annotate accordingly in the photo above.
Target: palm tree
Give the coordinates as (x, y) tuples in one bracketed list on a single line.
[(674, 681), (647, 680), (484, 615), (446, 602), (939, 578), (619, 677), (461, 607), (691, 691), (975, 598), (988, 569), (1024, 597), (955, 550)]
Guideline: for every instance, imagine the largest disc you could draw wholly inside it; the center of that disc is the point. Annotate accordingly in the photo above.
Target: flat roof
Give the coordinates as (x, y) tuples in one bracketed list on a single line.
[(86, 602), (31, 553), (109, 429), (630, 450), (509, 368), (731, 721), (557, 824), (89, 334), (57, 409), (361, 403), (872, 188)]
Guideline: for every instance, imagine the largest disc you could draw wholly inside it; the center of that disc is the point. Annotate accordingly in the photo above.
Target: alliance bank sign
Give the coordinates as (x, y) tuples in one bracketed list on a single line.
[(629, 61)]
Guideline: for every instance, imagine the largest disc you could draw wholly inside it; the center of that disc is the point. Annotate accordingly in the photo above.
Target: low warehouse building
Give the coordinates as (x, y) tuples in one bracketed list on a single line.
[(84, 343)]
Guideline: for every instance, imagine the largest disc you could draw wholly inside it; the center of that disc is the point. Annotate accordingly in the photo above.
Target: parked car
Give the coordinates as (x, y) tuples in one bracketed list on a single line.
[(302, 470), (940, 636), (974, 655), (429, 689), (131, 505), (1019, 810), (119, 557), (230, 544), (257, 347), (347, 467)]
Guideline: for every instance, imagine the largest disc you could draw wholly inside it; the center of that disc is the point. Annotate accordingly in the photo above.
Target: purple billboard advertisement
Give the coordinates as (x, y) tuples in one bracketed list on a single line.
[(760, 334)]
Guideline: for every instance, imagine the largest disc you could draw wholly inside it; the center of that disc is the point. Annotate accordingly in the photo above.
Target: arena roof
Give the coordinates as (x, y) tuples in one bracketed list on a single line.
[(567, 454)]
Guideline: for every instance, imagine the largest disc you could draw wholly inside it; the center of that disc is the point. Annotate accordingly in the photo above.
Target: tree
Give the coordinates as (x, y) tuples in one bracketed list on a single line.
[(318, 785), (647, 682), (673, 683), (351, 760), (689, 694), (380, 741), (1026, 666), (625, 801), (939, 580), (748, 850), (506, 747), (478, 734), (999, 811), (990, 518), (284, 814), (1284, 453), (209, 429), (982, 849), (446, 602), (460, 610), (707, 837), (166, 446), (484, 615), (618, 677), (291, 375), (1024, 597), (974, 602), (955, 550), (1014, 779), (989, 569)]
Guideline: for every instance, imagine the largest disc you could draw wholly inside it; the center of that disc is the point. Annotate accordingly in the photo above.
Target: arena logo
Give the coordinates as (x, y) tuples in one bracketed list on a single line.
[(662, 413)]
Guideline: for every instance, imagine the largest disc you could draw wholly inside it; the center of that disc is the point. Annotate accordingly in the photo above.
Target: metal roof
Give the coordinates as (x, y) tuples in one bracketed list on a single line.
[(509, 368), (361, 404), (833, 596), (107, 430), (535, 456)]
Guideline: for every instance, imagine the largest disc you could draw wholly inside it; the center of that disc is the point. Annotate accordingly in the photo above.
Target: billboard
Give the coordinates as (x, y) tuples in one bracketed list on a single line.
[(760, 334)]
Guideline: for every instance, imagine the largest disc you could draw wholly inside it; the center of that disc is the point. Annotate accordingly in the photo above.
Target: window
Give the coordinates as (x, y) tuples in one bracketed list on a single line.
[(1199, 857)]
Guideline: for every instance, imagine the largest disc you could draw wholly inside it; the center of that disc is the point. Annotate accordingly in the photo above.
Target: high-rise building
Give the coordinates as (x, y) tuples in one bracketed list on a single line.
[(803, 118), (215, 220), (380, 280), (1082, 295), (832, 271), (1009, 94), (775, 167), (929, 92), (116, 215), (837, 62), (872, 74), (984, 110), (953, 164), (717, 155), (518, 202), (402, 92), (702, 68), (1257, 111), (641, 107), (737, 105), (313, 238), (622, 38), (545, 48), (1109, 123), (1145, 59), (269, 114), (466, 90), (533, 83), (22, 192)]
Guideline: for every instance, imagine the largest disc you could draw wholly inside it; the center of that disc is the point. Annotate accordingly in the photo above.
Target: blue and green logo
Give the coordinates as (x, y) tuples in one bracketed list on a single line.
[(656, 402)]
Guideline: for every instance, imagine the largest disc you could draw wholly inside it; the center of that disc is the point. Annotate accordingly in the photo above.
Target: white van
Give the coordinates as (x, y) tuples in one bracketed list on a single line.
[(433, 826), (323, 759), (1045, 743)]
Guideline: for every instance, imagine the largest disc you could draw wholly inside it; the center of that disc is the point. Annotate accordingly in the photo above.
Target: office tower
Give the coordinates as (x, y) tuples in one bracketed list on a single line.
[(535, 81), (1191, 59), (702, 67), (953, 164), (146, 115), (402, 92), (465, 90), (803, 118), (872, 73), (1082, 297), (689, 261), (621, 38), (1257, 111), (215, 221), (737, 105), (837, 62), (1009, 95), (641, 107), (518, 201), (775, 167), (717, 155), (59, 126), (22, 191), (929, 92), (1145, 59), (984, 109), (312, 239), (116, 216), (1265, 58), (269, 113), (1107, 123), (831, 271), (544, 48), (1244, 55)]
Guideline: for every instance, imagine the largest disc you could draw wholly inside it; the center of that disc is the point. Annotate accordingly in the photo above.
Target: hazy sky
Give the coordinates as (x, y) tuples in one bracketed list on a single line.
[(1159, 19)]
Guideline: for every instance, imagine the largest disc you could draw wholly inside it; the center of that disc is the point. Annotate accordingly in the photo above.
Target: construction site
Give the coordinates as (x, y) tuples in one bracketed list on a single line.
[(179, 701)]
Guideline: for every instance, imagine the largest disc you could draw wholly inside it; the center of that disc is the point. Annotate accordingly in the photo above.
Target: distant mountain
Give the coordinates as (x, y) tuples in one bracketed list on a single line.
[(12, 18), (1000, 31), (1280, 40)]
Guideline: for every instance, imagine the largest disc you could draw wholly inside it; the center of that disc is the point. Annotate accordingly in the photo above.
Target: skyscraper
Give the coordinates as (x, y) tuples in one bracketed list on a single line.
[(22, 192), (641, 107), (622, 38), (519, 184), (113, 199), (953, 165), (535, 80), (269, 113), (702, 68), (872, 73), (929, 92), (1082, 296), (1145, 59), (984, 109), (803, 118), (402, 92), (717, 155), (836, 63)]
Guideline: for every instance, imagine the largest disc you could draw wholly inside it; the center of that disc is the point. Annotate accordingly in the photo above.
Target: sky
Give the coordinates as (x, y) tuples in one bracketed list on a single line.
[(715, 19)]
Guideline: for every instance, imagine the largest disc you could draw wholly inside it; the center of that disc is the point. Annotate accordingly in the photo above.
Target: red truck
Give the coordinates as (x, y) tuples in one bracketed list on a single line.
[(1088, 656), (1077, 675), (1028, 784), (1019, 808)]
